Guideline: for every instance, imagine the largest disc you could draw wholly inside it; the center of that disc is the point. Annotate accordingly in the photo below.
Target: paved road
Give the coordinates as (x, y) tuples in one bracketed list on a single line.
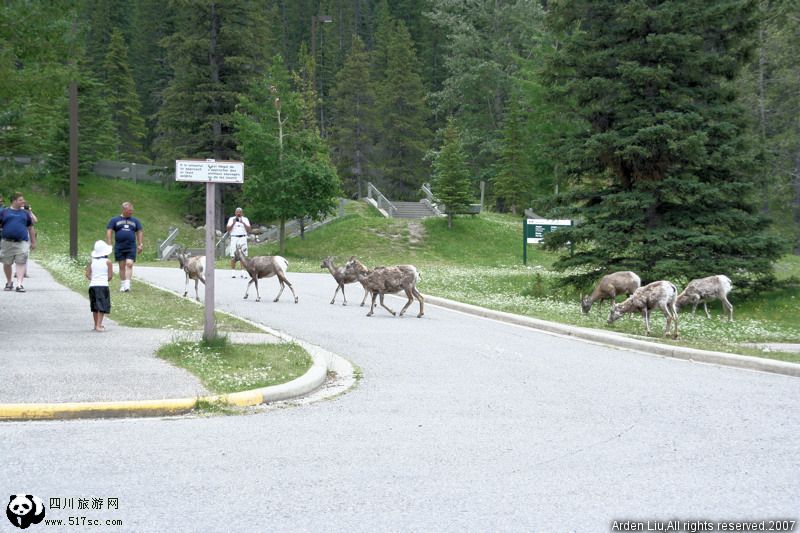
[(460, 424)]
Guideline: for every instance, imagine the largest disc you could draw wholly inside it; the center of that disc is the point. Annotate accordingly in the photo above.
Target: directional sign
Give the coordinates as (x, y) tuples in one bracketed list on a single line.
[(534, 230), (209, 171)]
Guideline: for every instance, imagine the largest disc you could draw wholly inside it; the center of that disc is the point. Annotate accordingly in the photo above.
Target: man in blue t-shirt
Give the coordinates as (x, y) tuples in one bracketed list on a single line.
[(127, 232), (17, 241)]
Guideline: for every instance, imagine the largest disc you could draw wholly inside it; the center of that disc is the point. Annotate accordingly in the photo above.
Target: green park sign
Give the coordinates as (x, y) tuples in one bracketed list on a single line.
[(534, 230)]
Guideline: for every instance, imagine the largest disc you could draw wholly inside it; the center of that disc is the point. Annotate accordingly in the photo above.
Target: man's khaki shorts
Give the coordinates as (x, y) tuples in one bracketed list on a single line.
[(14, 252)]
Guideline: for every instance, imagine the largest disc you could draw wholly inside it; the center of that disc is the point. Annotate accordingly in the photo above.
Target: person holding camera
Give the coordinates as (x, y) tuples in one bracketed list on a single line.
[(238, 227), (18, 239)]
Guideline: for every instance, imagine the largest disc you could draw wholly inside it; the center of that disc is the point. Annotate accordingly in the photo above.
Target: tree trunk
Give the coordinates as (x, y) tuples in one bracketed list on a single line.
[(762, 115)]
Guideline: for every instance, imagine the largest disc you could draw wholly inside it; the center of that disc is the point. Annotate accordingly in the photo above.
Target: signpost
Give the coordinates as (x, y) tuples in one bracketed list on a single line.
[(534, 230), (210, 172)]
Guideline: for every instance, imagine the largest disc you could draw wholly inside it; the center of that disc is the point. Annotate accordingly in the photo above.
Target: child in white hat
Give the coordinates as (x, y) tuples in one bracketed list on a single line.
[(99, 272)]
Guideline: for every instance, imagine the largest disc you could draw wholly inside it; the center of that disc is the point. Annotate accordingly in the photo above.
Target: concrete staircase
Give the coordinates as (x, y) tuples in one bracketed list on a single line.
[(413, 210)]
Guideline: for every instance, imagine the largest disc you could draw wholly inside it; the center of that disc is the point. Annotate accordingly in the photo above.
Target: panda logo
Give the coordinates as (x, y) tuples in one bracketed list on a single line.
[(24, 510)]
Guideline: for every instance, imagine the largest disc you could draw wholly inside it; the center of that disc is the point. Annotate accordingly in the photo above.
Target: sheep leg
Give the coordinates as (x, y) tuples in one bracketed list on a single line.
[(646, 316), (667, 316), (372, 307), (384, 306), (421, 300), (343, 296), (255, 280), (283, 281), (339, 286), (186, 286), (366, 293), (409, 302), (708, 315), (196, 293), (728, 307)]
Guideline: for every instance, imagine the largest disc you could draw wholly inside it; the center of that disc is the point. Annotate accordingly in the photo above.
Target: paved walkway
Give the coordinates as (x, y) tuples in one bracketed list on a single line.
[(51, 353)]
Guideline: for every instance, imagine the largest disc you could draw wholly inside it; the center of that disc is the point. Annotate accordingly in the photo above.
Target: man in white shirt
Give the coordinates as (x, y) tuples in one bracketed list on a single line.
[(238, 227)]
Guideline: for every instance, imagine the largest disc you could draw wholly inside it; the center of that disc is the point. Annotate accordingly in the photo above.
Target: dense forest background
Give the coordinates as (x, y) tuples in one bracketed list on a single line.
[(522, 82)]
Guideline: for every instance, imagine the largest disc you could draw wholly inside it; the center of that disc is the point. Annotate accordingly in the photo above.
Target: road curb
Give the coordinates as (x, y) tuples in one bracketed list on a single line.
[(619, 341), (313, 379)]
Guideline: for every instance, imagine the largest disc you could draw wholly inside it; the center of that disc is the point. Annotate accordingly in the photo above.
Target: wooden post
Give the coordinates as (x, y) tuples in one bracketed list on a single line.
[(73, 170), (210, 327)]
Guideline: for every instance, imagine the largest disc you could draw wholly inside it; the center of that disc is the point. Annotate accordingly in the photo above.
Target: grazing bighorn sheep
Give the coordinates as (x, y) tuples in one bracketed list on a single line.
[(265, 266), (657, 295), (625, 282), (707, 290), (343, 275), (194, 267), (389, 280)]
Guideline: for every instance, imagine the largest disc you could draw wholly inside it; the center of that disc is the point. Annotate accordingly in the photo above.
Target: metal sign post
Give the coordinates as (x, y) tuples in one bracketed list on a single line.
[(534, 230), (210, 172)]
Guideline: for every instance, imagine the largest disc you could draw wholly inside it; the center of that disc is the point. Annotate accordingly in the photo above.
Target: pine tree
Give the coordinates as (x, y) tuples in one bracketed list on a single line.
[(152, 22), (663, 175), (514, 181), (485, 41), (354, 120), (404, 136), (123, 101), (451, 183)]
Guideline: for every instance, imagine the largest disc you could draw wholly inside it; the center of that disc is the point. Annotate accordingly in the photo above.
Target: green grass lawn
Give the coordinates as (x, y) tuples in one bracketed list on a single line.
[(479, 261)]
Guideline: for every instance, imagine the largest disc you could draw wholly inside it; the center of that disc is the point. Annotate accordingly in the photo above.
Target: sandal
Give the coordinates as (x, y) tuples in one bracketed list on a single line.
[(20, 289), (9, 286)]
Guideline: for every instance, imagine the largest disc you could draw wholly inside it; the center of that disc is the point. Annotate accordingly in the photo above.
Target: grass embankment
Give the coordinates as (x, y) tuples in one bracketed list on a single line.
[(479, 261), (223, 368)]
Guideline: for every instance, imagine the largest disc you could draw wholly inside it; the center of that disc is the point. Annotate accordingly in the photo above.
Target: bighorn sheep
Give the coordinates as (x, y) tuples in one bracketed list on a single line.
[(707, 290), (265, 266), (610, 286), (389, 280), (657, 295), (343, 276), (195, 268)]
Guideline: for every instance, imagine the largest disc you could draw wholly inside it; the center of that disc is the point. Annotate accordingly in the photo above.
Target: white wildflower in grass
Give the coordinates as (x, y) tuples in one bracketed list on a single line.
[(229, 367), (534, 291)]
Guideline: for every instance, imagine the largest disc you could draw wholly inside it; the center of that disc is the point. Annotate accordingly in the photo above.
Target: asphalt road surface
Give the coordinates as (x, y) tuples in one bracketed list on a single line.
[(459, 424)]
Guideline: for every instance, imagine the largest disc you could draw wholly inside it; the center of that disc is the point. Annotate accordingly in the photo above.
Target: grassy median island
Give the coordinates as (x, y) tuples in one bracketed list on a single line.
[(224, 367)]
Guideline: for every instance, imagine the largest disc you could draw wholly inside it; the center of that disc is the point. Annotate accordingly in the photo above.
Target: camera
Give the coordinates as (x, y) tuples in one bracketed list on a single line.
[(27, 207), (238, 219)]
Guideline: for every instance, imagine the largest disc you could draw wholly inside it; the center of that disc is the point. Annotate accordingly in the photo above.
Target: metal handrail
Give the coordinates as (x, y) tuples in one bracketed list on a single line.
[(429, 200), (173, 234), (381, 200)]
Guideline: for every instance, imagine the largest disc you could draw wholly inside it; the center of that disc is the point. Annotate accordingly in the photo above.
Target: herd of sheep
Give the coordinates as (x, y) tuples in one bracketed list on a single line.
[(379, 281)]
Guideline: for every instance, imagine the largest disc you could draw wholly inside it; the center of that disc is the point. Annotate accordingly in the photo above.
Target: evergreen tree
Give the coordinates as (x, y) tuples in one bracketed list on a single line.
[(485, 41), (663, 176), (37, 42), (152, 22), (404, 136), (451, 183), (514, 181), (290, 174), (215, 53), (123, 100), (354, 120)]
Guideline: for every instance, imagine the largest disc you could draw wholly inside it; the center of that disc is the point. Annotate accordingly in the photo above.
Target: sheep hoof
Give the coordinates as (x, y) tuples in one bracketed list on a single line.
[(394, 314), (420, 315), (295, 299), (184, 294), (344, 303), (332, 302), (369, 314), (275, 300), (245, 297), (258, 299)]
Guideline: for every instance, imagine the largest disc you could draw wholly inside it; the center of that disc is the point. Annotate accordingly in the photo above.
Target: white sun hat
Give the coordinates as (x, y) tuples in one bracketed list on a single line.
[(101, 249)]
